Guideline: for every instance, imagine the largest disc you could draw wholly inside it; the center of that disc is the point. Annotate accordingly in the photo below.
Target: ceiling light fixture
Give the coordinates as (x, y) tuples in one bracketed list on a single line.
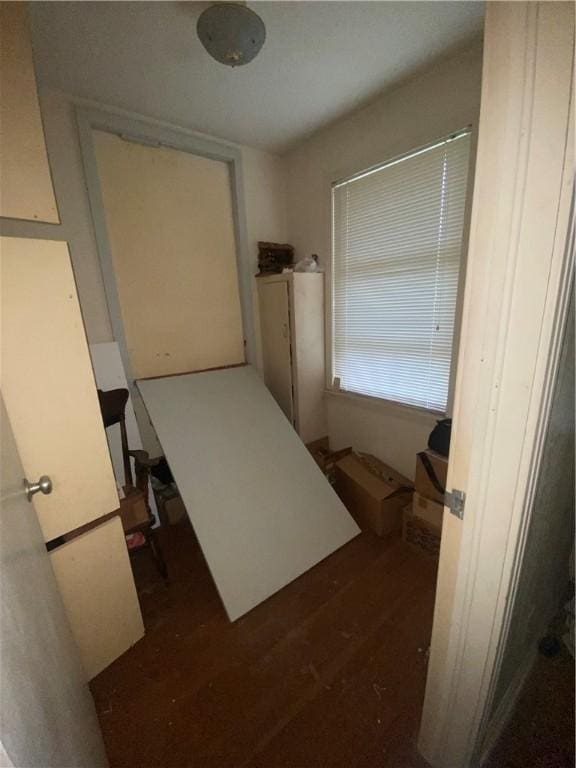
[(231, 33)]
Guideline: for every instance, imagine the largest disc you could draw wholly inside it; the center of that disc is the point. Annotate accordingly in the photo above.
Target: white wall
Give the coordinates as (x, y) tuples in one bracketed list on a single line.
[(443, 99), (68, 176), (393, 433), (266, 214)]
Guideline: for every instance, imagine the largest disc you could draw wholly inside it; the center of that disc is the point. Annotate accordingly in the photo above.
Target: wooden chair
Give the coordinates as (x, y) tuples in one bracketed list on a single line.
[(135, 512)]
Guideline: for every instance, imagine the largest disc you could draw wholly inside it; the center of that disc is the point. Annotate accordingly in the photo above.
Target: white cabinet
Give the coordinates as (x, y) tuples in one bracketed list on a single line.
[(292, 332)]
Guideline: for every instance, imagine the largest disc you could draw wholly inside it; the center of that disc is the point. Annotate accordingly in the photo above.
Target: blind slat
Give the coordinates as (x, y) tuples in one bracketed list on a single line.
[(397, 243)]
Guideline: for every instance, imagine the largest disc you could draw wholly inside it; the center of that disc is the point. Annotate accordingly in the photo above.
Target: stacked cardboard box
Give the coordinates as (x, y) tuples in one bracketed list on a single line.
[(423, 518), (327, 459), (374, 493)]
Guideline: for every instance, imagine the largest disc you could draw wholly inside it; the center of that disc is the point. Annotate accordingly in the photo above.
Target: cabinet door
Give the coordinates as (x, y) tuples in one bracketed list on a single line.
[(96, 564), (275, 328), (25, 182), (48, 385)]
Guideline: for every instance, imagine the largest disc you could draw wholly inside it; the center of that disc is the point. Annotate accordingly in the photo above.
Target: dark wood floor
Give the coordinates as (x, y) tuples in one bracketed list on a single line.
[(540, 733), (328, 672)]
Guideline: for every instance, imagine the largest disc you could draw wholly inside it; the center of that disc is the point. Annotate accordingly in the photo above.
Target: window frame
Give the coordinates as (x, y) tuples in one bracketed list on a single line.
[(383, 403)]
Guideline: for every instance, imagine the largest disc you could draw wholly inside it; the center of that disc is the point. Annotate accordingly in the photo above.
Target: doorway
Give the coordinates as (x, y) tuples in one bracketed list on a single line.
[(170, 223), (163, 202)]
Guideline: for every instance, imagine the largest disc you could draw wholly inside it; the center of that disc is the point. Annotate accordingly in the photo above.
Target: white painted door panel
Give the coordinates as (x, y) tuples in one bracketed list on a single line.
[(262, 510), (275, 325), (47, 717), (48, 385)]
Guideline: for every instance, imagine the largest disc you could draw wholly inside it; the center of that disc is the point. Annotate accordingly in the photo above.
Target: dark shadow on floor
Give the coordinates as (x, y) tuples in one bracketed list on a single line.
[(540, 733)]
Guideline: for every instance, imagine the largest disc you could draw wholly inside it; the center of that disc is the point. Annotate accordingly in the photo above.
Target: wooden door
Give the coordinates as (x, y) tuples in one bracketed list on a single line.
[(47, 716), (276, 348), (518, 277), (170, 225), (48, 385)]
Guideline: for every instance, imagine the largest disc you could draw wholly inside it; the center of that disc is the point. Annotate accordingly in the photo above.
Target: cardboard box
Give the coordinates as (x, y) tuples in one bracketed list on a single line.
[(174, 510), (428, 510), (171, 509), (374, 493), (324, 457), (423, 484), (420, 534), (319, 447), (133, 510)]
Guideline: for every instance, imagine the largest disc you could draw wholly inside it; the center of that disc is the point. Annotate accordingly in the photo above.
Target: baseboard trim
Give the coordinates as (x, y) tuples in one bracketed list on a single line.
[(505, 709)]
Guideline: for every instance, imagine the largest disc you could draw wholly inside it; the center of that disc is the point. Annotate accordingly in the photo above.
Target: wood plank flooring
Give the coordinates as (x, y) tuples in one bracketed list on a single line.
[(328, 672), (540, 733)]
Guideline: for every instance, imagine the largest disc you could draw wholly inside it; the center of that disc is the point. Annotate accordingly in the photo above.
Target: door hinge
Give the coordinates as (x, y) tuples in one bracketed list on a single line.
[(455, 501)]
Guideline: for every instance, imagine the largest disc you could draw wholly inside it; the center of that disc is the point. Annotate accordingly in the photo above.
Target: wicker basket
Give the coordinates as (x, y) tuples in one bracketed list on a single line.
[(420, 533)]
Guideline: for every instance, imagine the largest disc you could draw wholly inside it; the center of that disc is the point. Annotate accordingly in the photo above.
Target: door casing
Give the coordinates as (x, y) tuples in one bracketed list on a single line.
[(520, 271), (158, 133)]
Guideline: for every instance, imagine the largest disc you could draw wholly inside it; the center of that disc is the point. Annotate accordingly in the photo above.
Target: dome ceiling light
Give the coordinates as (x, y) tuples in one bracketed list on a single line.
[(231, 33)]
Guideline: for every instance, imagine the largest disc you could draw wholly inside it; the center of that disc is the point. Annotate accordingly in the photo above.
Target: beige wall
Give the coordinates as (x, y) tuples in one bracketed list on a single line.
[(445, 98)]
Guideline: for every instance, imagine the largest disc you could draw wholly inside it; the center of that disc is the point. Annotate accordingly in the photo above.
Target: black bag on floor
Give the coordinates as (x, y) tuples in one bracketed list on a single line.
[(439, 440)]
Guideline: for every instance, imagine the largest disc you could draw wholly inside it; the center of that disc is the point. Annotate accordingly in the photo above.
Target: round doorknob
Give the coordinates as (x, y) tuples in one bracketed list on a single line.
[(44, 485)]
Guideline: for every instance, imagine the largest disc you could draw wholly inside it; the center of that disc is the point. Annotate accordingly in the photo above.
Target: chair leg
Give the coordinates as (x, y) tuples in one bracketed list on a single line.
[(157, 553)]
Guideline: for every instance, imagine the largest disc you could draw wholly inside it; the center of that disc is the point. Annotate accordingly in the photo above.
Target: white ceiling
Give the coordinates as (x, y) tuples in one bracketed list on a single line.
[(320, 60)]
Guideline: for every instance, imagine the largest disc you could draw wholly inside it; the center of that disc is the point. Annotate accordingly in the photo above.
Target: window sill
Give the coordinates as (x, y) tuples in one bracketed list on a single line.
[(412, 412)]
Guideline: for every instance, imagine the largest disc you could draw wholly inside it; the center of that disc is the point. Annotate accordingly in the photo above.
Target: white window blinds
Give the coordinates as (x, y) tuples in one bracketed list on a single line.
[(397, 243)]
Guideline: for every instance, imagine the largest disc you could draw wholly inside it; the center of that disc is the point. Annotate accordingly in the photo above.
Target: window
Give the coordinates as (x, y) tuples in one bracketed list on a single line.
[(397, 244)]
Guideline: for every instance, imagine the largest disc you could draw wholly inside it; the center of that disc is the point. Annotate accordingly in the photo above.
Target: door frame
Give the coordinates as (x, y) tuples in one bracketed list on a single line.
[(156, 133), (519, 278)]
